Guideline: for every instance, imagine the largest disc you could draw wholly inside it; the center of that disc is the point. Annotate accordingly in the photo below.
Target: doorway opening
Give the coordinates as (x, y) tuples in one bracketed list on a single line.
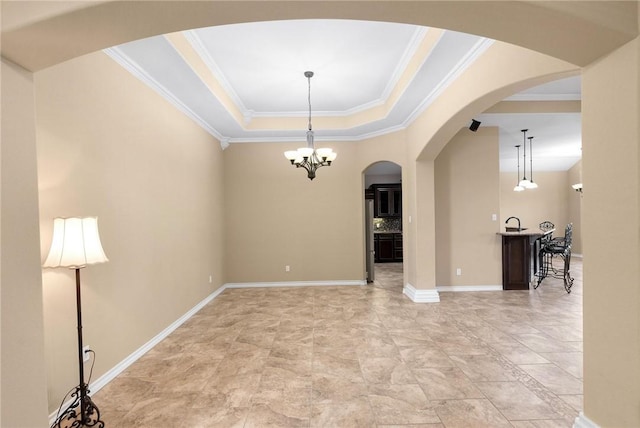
[(383, 216)]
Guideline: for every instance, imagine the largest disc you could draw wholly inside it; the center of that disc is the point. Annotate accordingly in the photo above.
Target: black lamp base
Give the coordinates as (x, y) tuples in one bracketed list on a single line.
[(82, 412)]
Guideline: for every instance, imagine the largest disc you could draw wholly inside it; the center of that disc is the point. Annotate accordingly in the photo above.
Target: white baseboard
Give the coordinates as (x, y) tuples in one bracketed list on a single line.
[(421, 296), (582, 421), (469, 288), (99, 383), (295, 284)]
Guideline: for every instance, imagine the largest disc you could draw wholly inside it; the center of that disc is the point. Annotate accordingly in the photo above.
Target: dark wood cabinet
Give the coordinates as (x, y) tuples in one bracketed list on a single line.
[(387, 200), (385, 247), (397, 246), (516, 267), (520, 262), (388, 247)]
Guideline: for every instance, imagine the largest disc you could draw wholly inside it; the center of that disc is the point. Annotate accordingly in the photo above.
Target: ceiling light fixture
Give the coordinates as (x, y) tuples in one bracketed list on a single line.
[(518, 187), (532, 185), (308, 157), (524, 182)]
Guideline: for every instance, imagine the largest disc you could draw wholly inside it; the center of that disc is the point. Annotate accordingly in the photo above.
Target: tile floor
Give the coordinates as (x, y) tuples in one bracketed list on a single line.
[(362, 357)]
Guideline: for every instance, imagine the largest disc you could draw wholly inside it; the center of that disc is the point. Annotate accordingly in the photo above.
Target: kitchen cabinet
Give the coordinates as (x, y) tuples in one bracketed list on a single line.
[(388, 247), (397, 247), (387, 200), (520, 258)]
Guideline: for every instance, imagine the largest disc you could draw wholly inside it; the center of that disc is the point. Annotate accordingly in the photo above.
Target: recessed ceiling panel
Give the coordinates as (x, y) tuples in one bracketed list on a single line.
[(264, 62)]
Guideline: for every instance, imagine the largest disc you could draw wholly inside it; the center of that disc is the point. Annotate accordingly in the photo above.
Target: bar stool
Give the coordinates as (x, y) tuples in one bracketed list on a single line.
[(560, 246), (546, 226)]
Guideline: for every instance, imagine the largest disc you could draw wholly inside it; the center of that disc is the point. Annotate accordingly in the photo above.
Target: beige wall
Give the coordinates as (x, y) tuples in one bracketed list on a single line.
[(275, 216), (467, 195), (548, 202), (611, 241), (23, 390), (111, 147), (554, 200), (575, 207)]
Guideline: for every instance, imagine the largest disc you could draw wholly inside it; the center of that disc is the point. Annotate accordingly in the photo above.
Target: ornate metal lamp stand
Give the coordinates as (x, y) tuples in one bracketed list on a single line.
[(82, 412)]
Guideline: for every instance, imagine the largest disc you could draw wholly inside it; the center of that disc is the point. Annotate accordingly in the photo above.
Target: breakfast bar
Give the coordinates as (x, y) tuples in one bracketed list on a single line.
[(520, 249)]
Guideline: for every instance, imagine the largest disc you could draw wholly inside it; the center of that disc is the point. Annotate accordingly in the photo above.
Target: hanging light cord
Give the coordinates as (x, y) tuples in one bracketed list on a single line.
[(531, 157), (309, 75)]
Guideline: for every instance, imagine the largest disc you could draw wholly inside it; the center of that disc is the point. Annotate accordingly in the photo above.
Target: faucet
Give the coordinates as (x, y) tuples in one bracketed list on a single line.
[(516, 219)]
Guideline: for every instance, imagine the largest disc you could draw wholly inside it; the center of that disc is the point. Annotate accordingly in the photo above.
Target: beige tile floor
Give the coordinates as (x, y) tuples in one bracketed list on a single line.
[(362, 357)]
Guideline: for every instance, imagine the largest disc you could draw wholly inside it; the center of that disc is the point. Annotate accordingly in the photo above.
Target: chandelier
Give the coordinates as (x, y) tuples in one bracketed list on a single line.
[(309, 157)]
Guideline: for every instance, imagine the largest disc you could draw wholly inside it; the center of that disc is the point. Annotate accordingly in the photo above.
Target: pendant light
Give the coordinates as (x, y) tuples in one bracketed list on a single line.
[(524, 182), (532, 185), (518, 187)]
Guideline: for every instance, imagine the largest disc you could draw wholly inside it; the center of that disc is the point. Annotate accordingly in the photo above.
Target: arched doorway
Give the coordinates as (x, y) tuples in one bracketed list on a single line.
[(383, 217)]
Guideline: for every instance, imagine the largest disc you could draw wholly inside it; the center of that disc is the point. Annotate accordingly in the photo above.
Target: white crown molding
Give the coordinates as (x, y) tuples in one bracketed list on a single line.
[(121, 58), (582, 421), (301, 139), (463, 288), (421, 296), (478, 49), (198, 46), (410, 51)]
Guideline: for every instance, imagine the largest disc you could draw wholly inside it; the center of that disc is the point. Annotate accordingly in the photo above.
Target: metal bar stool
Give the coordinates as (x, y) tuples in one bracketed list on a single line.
[(560, 246)]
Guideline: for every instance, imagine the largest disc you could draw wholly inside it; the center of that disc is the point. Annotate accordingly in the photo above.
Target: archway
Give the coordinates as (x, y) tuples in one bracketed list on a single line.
[(383, 216)]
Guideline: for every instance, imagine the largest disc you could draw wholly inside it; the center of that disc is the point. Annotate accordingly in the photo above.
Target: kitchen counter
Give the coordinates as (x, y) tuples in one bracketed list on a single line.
[(520, 257), (526, 232)]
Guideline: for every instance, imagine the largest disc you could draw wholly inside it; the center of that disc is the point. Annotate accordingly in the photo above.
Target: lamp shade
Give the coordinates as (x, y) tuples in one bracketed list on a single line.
[(75, 243)]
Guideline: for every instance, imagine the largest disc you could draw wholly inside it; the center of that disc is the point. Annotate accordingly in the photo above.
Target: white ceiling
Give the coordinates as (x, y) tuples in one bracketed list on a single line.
[(357, 66)]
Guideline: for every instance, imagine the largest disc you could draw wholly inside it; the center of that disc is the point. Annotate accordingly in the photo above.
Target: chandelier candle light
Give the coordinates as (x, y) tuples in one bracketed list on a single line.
[(309, 157)]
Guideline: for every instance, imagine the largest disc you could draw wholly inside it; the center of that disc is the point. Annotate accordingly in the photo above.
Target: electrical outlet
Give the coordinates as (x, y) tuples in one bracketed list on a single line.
[(86, 353), (458, 271), (287, 268), (494, 217), (210, 279)]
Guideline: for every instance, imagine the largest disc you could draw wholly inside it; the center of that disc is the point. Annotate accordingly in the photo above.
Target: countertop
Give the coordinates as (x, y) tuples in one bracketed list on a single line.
[(377, 232), (527, 232)]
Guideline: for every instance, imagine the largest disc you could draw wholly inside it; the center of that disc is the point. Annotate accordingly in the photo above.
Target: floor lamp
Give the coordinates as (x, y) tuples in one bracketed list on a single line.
[(76, 244)]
